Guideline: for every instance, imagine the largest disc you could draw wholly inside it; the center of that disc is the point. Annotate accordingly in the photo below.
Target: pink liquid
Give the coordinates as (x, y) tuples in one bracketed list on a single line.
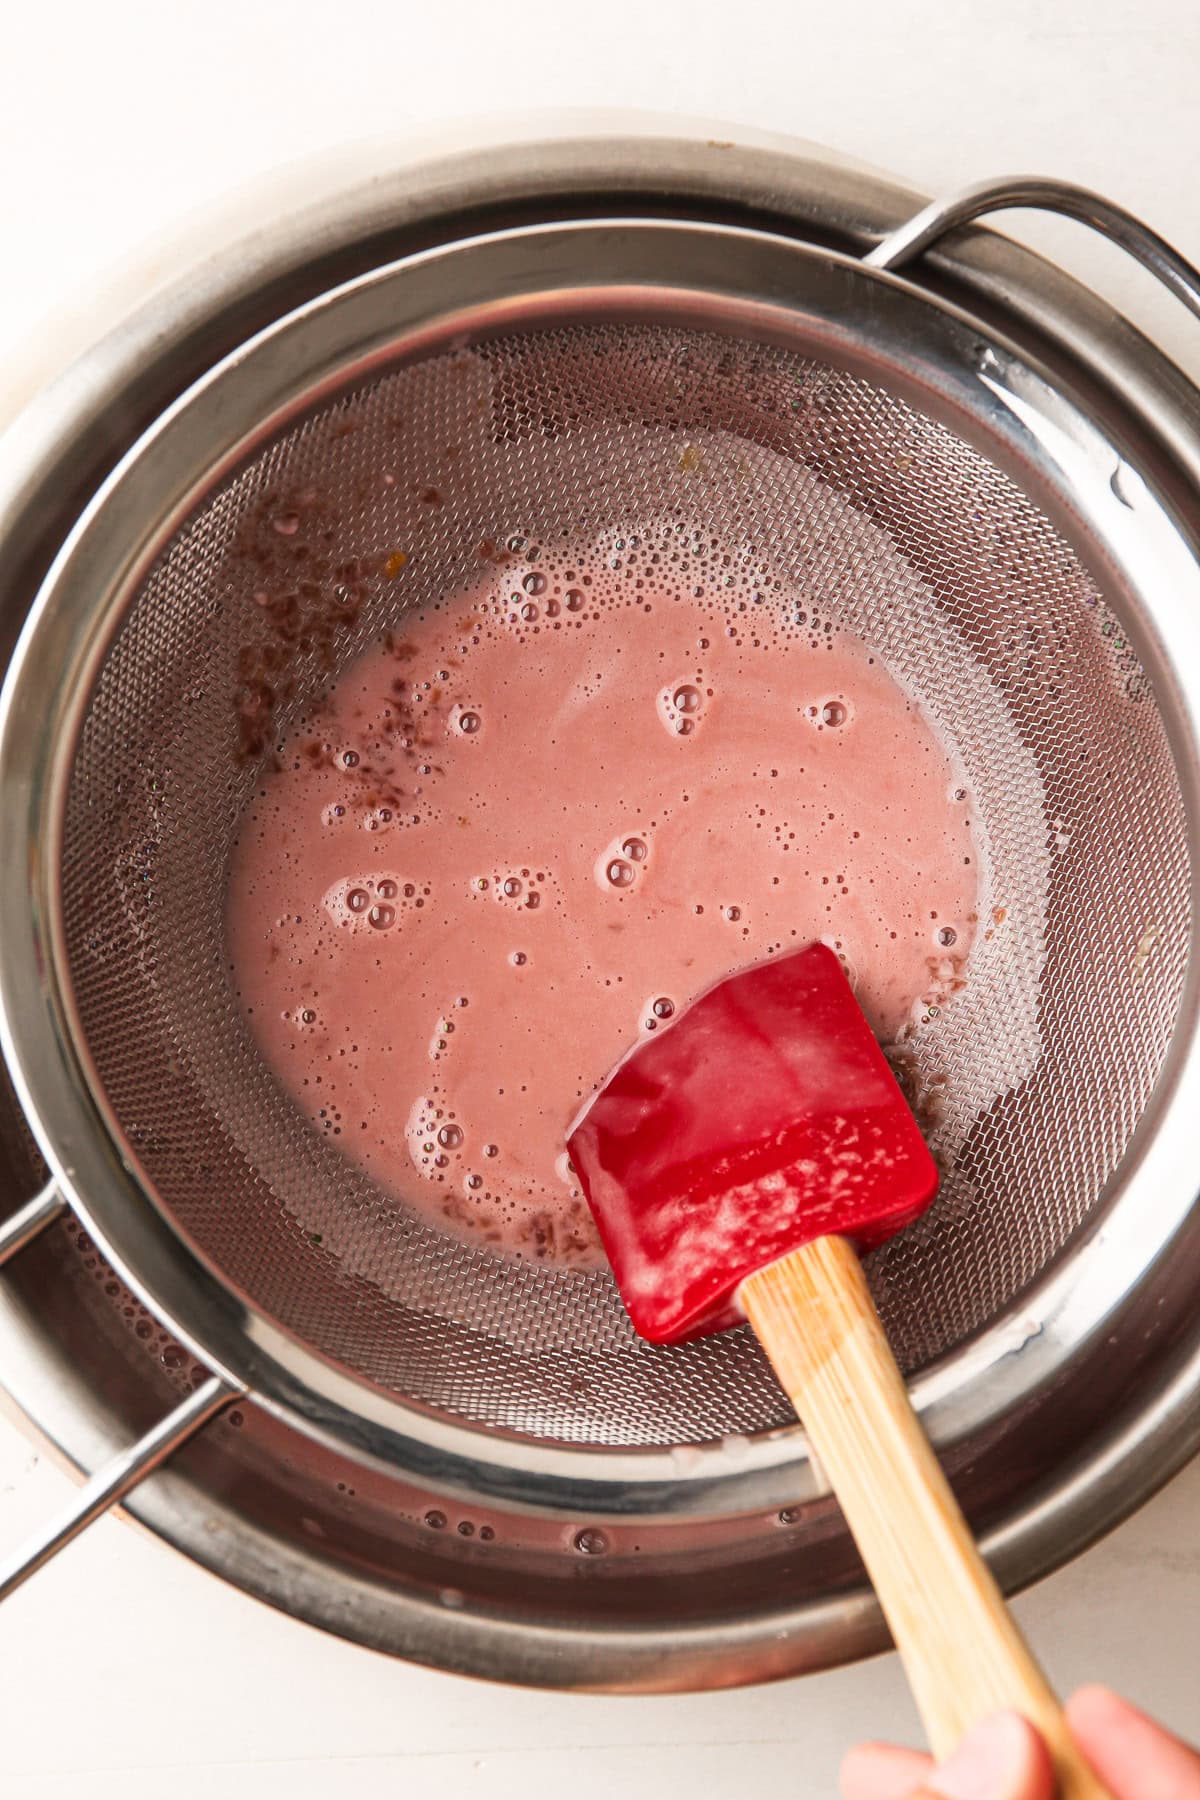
[(535, 827)]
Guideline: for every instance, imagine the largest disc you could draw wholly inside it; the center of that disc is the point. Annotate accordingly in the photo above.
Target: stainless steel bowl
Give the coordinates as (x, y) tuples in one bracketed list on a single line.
[(729, 1565)]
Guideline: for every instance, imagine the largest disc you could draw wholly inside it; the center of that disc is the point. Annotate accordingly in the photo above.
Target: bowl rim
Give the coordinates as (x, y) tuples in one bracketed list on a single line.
[(1022, 1544)]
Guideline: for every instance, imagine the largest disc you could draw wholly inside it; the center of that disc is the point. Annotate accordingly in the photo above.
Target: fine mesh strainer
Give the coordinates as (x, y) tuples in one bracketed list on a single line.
[(853, 446)]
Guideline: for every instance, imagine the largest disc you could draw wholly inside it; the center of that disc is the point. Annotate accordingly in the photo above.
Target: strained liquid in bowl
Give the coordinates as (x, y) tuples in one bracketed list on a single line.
[(539, 819)]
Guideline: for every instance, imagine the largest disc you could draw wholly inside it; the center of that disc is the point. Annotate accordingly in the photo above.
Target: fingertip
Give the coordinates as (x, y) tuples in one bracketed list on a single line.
[(1125, 1746), (1096, 1704), (1001, 1758), (882, 1772)]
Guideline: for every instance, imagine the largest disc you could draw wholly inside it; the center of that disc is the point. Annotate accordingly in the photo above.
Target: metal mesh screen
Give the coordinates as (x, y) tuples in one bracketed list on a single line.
[(806, 487)]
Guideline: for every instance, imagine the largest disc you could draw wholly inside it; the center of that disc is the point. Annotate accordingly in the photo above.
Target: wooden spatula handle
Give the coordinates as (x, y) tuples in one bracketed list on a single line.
[(964, 1656)]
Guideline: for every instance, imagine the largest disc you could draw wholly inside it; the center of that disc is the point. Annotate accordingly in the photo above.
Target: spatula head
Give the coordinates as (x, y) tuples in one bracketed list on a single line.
[(765, 1116)]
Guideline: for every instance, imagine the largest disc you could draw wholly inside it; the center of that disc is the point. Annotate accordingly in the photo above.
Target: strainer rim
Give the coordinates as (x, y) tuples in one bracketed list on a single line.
[(261, 1338)]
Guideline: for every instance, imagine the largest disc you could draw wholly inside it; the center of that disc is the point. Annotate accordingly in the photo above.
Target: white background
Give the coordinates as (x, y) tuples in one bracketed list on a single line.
[(123, 1670)]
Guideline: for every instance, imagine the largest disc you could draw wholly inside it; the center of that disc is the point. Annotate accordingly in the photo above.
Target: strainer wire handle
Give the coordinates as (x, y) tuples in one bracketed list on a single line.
[(1114, 222), (121, 1474), (33, 1217)]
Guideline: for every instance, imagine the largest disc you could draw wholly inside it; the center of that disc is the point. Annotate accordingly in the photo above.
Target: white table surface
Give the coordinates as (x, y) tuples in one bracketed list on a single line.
[(123, 1669)]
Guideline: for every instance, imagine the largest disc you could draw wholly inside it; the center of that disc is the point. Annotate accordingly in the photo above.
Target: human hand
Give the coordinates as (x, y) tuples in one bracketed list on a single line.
[(1005, 1759)]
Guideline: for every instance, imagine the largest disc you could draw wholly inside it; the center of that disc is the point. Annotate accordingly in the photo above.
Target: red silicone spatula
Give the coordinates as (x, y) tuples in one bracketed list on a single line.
[(736, 1164)]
